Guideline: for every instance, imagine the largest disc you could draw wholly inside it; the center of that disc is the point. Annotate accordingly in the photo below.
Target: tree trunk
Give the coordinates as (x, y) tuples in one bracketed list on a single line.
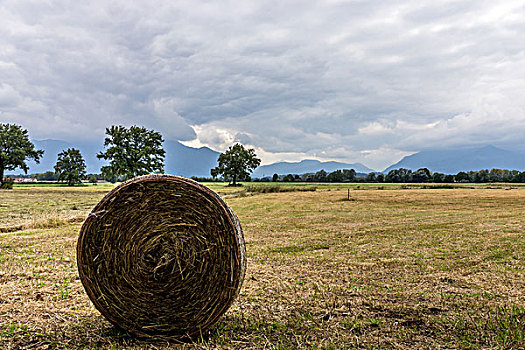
[(234, 180), (1, 173)]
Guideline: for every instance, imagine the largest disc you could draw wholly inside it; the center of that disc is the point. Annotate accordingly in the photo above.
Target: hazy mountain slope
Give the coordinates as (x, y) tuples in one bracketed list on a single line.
[(454, 161), (188, 161)]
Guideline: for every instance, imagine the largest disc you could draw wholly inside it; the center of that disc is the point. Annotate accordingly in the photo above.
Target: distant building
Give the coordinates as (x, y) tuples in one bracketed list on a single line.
[(21, 179)]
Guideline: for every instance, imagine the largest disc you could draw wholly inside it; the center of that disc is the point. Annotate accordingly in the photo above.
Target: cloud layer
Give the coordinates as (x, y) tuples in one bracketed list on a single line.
[(365, 81)]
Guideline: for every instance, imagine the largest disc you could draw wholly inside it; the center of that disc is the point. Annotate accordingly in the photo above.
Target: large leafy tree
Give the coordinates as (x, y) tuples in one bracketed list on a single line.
[(348, 175), (399, 175), (16, 149), (421, 175), (132, 152), (70, 166), (237, 163)]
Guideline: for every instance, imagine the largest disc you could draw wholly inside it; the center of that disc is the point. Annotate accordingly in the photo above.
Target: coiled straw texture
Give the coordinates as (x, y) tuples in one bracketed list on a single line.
[(162, 255)]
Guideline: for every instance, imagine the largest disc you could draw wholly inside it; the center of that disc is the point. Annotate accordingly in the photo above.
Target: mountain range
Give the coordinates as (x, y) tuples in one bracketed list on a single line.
[(188, 161), (452, 161)]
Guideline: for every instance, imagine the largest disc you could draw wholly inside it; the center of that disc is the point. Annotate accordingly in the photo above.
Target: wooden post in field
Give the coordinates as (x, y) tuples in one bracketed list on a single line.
[(348, 194)]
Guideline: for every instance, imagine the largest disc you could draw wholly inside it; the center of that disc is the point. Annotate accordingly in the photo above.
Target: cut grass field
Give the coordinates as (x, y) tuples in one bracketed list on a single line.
[(402, 268)]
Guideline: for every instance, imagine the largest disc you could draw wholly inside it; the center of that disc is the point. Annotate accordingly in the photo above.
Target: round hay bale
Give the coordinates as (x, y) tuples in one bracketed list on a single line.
[(162, 255)]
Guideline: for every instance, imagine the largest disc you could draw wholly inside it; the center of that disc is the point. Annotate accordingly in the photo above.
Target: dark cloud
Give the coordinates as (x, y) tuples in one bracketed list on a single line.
[(364, 81)]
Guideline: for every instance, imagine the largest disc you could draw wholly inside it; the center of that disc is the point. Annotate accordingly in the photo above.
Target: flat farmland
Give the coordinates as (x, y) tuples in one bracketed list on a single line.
[(393, 268)]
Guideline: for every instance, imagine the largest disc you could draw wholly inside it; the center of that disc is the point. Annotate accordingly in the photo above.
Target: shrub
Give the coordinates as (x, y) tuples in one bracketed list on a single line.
[(7, 184)]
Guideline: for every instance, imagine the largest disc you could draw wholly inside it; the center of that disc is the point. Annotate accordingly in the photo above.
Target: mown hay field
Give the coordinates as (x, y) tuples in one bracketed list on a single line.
[(401, 268)]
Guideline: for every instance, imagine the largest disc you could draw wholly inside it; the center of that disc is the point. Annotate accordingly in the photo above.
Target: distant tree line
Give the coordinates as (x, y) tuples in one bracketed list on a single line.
[(345, 175), (53, 176), (403, 175), (475, 176)]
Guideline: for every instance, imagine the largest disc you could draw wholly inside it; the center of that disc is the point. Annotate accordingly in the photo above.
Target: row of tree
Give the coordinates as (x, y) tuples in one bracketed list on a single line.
[(345, 175), (403, 175), (479, 176)]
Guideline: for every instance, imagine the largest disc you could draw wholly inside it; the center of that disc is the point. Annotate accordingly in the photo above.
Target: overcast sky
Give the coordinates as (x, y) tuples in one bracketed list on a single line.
[(355, 81)]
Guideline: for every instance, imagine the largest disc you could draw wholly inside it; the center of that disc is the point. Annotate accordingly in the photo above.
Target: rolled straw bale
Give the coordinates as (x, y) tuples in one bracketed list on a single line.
[(162, 255)]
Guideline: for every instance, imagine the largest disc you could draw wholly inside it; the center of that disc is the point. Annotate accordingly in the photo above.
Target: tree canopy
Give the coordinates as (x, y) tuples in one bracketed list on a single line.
[(70, 166), (16, 149), (236, 164), (132, 152)]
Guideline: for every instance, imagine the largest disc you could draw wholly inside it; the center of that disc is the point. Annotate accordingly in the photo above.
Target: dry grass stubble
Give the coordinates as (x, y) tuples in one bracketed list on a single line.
[(392, 269)]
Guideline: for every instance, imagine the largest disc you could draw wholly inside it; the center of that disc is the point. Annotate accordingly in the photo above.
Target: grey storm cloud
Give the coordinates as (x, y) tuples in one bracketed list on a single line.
[(365, 81)]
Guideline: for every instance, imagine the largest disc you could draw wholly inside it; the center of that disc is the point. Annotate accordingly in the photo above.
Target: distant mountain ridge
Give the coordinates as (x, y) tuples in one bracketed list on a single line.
[(449, 161), (188, 161), (306, 166)]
